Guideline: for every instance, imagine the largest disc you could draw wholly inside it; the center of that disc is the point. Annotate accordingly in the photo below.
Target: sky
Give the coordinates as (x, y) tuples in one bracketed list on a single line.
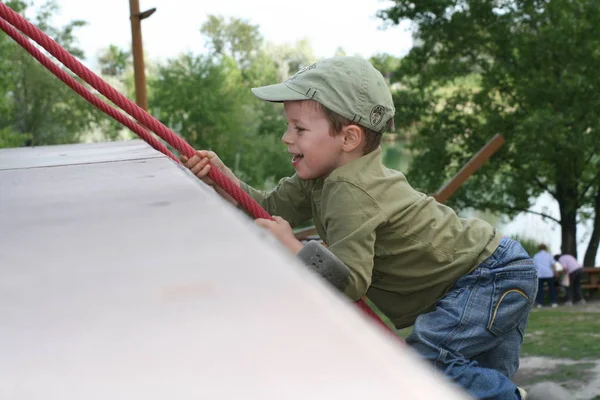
[(545, 231), (174, 28)]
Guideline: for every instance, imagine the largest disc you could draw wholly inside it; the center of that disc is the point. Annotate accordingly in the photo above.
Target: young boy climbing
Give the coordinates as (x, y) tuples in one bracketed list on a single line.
[(467, 290)]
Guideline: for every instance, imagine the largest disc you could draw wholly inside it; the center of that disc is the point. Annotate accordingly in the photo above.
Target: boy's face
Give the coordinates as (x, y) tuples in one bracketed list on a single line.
[(315, 152)]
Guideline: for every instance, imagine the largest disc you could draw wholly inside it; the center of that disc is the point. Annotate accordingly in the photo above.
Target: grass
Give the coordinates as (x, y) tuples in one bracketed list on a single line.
[(562, 333), (571, 333)]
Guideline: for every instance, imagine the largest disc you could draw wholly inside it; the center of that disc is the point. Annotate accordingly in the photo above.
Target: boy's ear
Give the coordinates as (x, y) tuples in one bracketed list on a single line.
[(353, 136)]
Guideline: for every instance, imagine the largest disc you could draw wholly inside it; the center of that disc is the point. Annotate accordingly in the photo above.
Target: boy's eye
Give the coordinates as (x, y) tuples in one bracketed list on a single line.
[(299, 129)]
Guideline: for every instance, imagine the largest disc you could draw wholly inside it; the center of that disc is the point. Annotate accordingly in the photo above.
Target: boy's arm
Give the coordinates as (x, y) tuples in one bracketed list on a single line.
[(290, 199), (350, 218), (200, 165)]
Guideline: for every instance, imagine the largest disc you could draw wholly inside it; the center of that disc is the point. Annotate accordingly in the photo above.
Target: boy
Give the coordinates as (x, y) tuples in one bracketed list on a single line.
[(467, 290)]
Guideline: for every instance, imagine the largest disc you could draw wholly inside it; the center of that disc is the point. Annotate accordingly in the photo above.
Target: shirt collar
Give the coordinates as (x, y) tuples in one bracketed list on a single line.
[(360, 164)]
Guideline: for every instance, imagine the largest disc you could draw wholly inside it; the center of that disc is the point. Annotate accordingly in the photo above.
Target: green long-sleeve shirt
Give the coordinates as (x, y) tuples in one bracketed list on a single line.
[(403, 248)]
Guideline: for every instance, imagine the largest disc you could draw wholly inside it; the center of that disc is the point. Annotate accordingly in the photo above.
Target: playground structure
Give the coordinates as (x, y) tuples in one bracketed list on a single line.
[(124, 276), (93, 197)]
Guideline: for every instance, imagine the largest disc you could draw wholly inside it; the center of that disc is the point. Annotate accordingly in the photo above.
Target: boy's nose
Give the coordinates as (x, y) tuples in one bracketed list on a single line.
[(287, 137)]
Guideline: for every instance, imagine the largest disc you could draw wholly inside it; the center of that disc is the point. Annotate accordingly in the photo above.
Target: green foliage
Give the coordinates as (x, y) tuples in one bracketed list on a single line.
[(290, 58), (529, 244), (114, 61), (207, 99), (65, 36), (35, 107), (199, 97), (8, 138), (386, 64), (236, 38), (525, 69)]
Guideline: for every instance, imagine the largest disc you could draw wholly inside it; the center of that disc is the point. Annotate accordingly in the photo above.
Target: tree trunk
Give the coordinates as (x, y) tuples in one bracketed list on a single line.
[(568, 224), (567, 203), (590, 254)]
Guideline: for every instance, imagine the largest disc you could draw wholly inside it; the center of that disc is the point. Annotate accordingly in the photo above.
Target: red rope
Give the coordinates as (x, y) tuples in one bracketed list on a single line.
[(128, 106), (362, 304), (140, 115), (83, 92)]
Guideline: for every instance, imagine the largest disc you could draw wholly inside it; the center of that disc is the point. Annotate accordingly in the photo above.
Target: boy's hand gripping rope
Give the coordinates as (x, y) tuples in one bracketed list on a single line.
[(9, 20), (117, 98)]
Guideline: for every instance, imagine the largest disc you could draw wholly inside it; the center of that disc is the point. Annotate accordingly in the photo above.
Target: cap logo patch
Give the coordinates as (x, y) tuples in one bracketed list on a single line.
[(304, 69), (377, 114)]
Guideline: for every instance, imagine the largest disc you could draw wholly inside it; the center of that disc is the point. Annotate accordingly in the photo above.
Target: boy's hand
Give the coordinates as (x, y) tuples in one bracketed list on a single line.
[(201, 163), (282, 230)]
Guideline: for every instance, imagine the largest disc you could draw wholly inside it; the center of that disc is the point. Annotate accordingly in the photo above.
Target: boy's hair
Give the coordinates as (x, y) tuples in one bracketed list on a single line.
[(542, 247), (556, 257), (371, 139)]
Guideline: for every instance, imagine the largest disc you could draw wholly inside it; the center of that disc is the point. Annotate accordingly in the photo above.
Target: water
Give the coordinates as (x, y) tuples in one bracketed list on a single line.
[(395, 155)]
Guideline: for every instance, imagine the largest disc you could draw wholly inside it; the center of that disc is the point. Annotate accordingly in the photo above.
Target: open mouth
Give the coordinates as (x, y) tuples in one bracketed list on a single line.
[(297, 157)]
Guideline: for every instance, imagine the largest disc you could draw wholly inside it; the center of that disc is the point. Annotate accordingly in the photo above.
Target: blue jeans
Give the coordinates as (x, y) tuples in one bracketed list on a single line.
[(475, 332)]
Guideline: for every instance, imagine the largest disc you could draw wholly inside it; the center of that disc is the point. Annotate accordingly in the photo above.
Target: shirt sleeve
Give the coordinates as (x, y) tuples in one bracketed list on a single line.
[(290, 199), (350, 219)]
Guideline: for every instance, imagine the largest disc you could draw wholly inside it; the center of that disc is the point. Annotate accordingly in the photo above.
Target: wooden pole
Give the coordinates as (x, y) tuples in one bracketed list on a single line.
[(444, 193), (141, 97)]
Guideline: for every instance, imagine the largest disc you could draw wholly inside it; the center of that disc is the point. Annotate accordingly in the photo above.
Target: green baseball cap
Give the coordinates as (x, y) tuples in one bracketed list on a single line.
[(348, 86)]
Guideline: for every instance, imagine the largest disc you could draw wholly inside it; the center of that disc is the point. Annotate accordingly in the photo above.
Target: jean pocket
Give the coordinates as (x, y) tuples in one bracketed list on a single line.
[(512, 300)]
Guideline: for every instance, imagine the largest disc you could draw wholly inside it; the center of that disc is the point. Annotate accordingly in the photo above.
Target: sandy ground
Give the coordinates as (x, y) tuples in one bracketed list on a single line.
[(585, 382), (585, 387)]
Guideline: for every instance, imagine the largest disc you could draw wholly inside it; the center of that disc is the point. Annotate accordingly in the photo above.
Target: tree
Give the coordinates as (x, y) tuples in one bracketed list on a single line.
[(35, 107), (523, 68), (290, 58), (114, 61), (385, 63), (207, 101), (199, 97), (116, 68), (236, 38)]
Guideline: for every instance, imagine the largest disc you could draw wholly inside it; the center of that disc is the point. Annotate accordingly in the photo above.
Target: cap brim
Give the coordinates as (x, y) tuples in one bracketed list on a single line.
[(278, 93)]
